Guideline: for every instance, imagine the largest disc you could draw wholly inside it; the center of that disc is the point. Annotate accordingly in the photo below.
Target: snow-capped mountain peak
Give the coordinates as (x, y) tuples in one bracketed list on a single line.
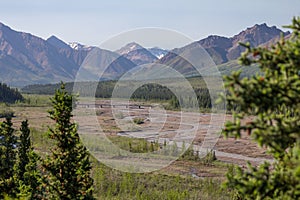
[(158, 52), (78, 46)]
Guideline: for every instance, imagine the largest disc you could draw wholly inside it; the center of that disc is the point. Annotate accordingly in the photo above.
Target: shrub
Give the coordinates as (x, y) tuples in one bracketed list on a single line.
[(138, 120)]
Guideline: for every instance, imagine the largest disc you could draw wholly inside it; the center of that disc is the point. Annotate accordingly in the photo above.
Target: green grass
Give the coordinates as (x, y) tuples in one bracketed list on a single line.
[(112, 184), (34, 100), (5, 111)]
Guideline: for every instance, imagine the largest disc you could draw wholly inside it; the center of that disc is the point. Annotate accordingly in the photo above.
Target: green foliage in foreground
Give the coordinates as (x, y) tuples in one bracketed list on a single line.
[(65, 174), (27, 175), (274, 100), (68, 165), (19, 176), (8, 142)]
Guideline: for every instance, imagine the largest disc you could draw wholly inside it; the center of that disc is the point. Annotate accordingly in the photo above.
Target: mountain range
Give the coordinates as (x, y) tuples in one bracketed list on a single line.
[(226, 49), (27, 59)]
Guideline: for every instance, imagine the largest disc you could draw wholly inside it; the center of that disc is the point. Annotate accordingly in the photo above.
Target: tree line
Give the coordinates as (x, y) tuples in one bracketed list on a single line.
[(9, 95), (146, 92)]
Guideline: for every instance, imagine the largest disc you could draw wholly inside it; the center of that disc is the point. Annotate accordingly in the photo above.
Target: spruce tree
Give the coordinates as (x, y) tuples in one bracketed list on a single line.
[(32, 186), (273, 99), (8, 144), (23, 150), (27, 173), (68, 165)]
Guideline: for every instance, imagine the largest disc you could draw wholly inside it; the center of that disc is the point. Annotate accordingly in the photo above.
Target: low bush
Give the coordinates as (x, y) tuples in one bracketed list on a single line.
[(138, 120)]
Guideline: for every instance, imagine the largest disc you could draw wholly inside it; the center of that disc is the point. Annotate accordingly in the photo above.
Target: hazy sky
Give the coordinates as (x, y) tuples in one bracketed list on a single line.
[(94, 21)]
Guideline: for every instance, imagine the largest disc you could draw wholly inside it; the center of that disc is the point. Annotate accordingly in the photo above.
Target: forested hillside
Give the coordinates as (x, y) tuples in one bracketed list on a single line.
[(9, 95)]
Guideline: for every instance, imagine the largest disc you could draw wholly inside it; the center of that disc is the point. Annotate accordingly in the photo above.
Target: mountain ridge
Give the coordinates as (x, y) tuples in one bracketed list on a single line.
[(229, 47), (222, 49), (28, 59)]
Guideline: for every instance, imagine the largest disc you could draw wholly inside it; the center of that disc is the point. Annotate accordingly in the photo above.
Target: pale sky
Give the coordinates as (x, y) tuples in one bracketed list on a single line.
[(92, 22)]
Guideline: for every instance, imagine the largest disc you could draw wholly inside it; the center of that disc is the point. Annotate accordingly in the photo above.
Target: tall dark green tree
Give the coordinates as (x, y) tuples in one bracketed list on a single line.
[(68, 165), (23, 150), (27, 173), (274, 100), (8, 144)]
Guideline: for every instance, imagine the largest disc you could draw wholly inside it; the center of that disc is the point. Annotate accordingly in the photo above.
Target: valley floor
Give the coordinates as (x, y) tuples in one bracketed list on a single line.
[(145, 129)]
